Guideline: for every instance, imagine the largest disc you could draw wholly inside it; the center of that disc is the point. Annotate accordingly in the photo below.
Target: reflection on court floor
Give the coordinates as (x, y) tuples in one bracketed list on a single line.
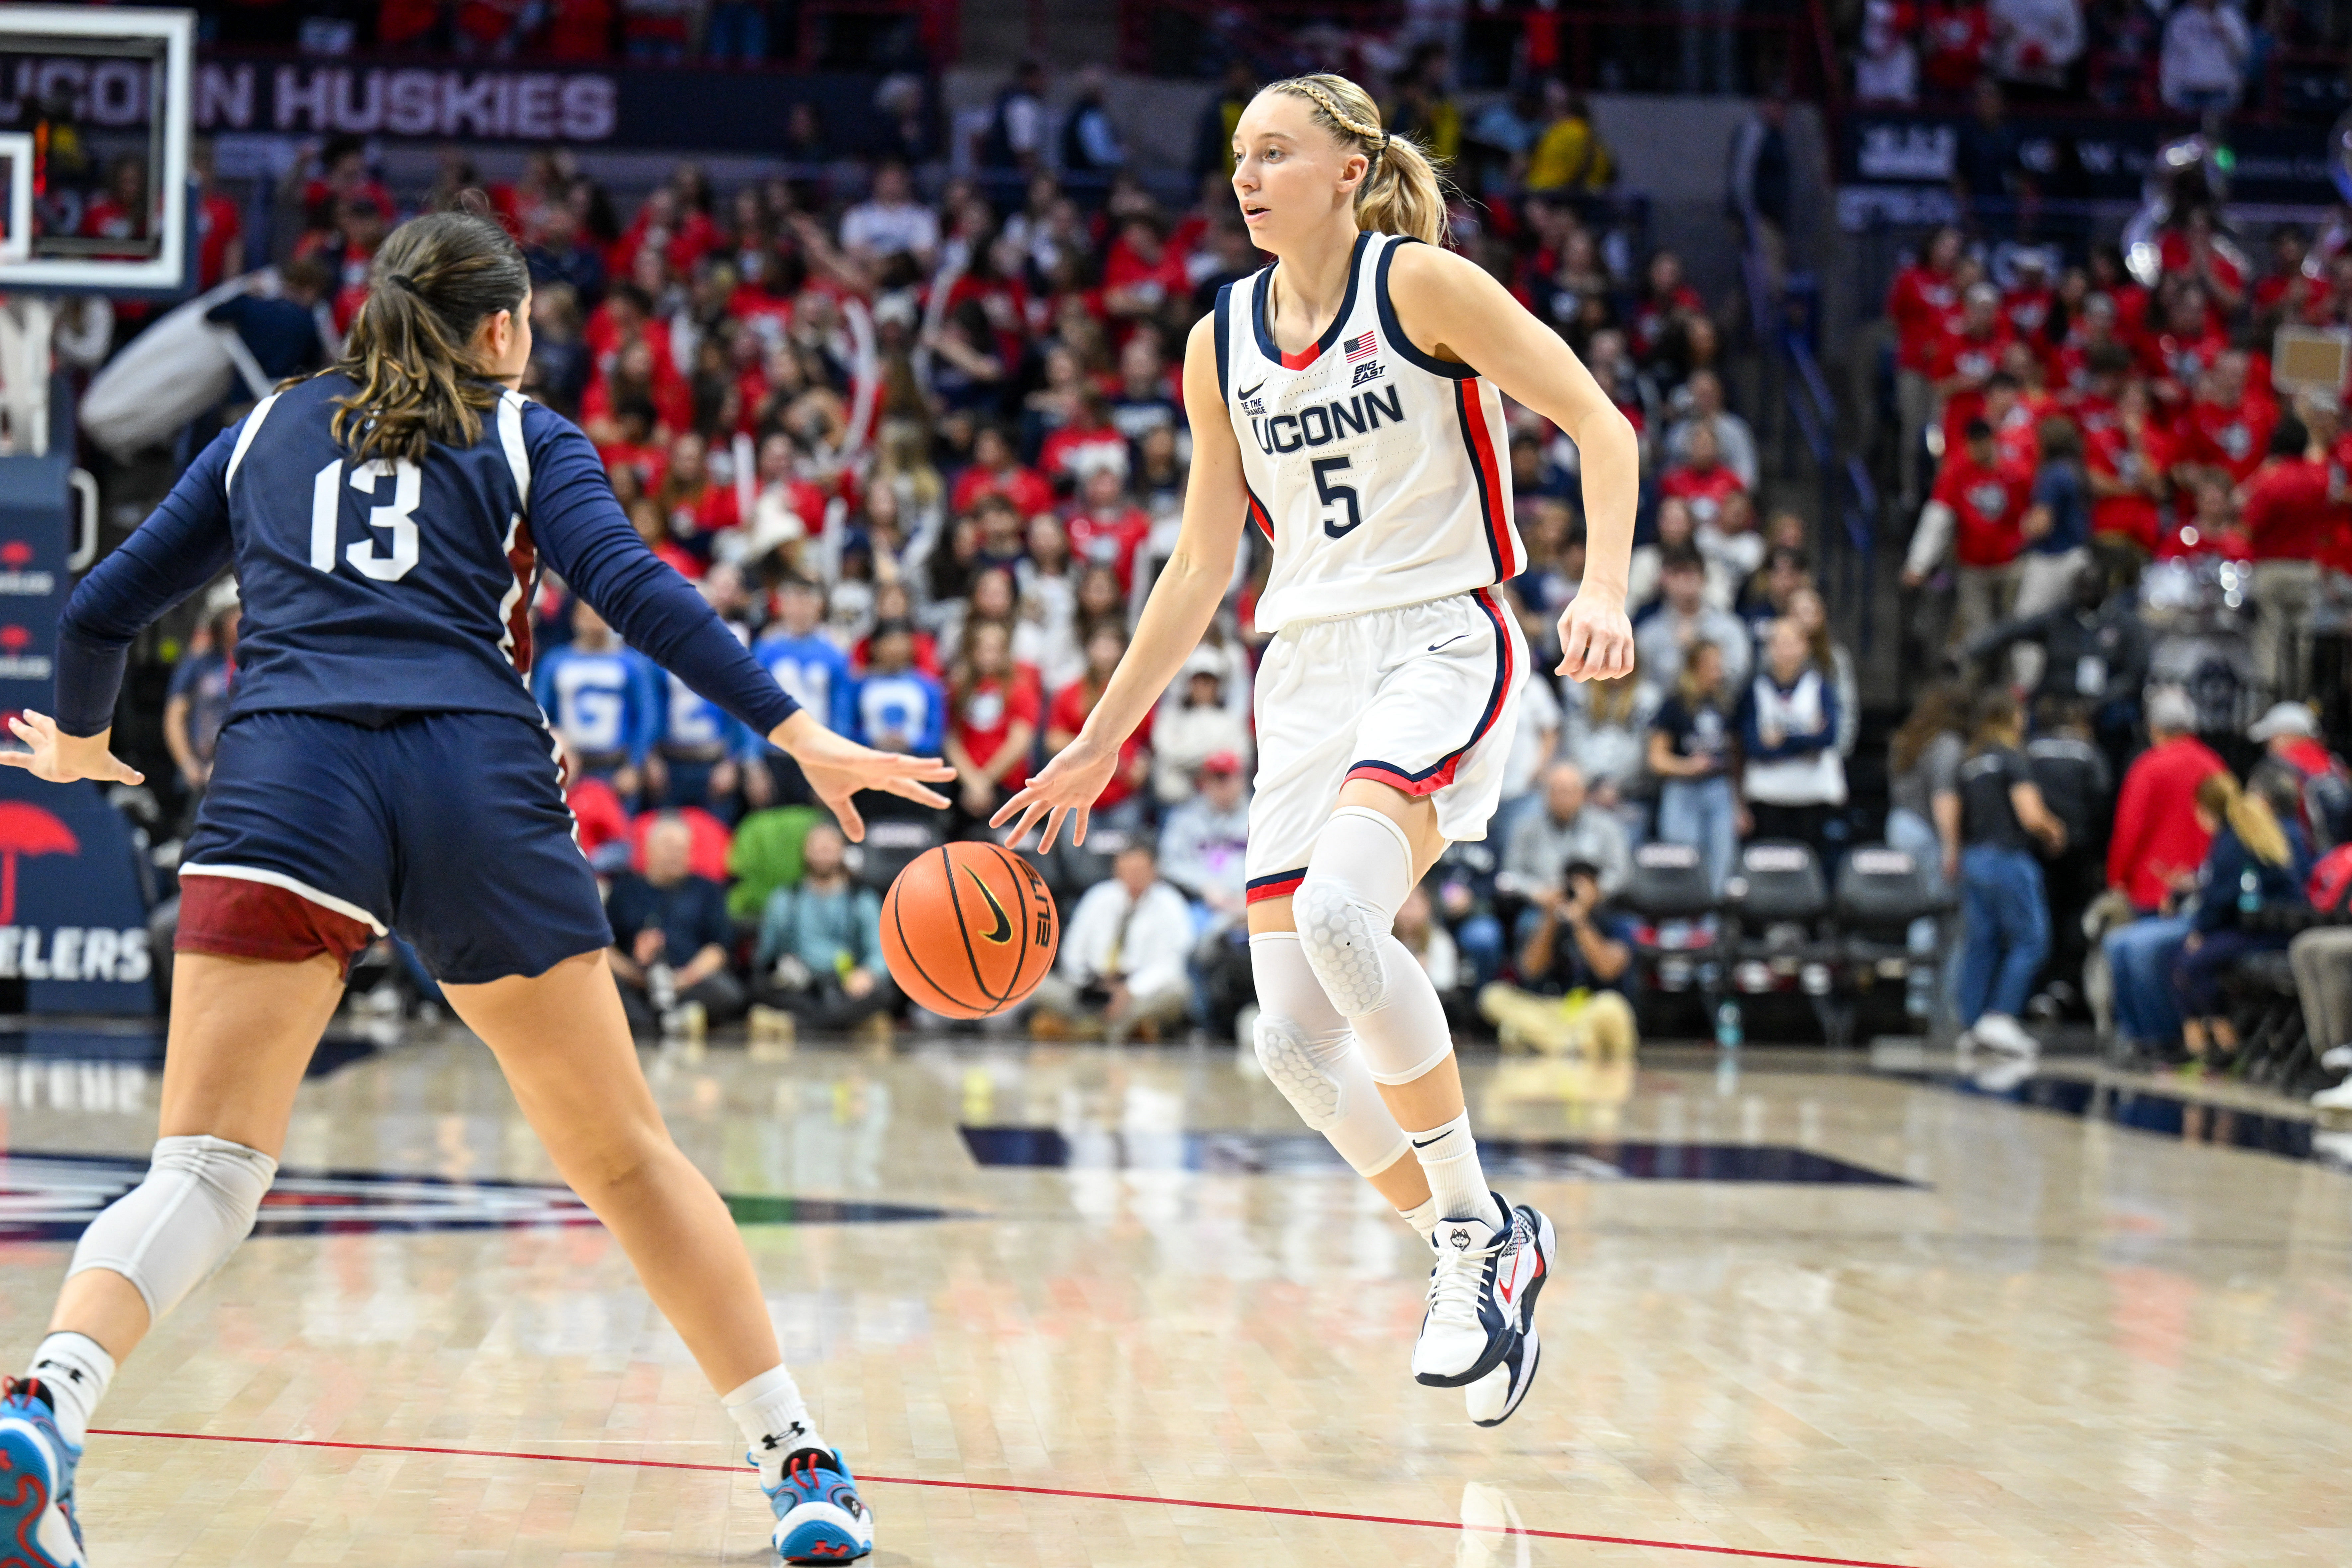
[(1077, 1305)]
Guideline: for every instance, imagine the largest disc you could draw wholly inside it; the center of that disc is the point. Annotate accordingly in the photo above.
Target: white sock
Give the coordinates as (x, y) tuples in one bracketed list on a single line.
[(1457, 1186), (74, 1369), (1423, 1217), (775, 1418)]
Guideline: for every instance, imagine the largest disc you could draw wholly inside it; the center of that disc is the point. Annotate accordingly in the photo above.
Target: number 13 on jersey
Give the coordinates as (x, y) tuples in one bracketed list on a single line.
[(397, 519)]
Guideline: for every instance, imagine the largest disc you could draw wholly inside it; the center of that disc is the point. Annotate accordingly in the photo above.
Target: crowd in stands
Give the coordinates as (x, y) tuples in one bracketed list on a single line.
[(2185, 56), (923, 445), (2104, 458)]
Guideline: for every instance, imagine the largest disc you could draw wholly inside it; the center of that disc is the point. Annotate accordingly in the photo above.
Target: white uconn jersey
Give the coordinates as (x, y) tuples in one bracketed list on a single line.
[(1379, 473)]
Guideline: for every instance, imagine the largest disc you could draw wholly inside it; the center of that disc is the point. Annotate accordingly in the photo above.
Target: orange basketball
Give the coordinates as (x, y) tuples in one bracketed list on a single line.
[(968, 930)]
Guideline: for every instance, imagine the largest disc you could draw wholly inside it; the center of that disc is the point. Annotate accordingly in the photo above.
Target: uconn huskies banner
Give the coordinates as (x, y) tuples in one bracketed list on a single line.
[(736, 110)]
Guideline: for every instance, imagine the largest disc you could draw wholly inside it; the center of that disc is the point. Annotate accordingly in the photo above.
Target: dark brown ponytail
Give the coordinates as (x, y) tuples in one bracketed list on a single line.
[(437, 278)]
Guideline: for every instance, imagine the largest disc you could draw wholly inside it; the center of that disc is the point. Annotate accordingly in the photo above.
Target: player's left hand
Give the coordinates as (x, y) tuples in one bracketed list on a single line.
[(61, 758), (1596, 640), (837, 768)]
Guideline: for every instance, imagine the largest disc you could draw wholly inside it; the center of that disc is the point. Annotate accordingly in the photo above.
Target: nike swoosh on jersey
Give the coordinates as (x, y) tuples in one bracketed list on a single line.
[(1004, 931), (1449, 642), (1251, 392)]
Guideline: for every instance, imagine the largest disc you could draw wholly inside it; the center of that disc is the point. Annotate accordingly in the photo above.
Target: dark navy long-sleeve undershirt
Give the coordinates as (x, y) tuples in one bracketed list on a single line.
[(362, 637)]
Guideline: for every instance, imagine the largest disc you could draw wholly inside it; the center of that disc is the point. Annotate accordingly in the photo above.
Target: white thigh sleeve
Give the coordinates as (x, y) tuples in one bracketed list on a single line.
[(1306, 1049), (168, 1234), (1346, 911)]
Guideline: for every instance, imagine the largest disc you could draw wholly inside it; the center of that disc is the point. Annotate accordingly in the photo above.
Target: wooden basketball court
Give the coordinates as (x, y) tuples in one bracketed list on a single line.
[(1066, 1306)]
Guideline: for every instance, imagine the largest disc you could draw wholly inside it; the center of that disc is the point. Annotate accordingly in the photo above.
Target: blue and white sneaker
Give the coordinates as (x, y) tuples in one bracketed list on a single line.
[(1478, 1291), (1493, 1397), (820, 1518), (37, 1479)]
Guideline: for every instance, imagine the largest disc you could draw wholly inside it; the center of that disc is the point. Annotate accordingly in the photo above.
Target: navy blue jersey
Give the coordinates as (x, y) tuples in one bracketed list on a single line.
[(375, 590)]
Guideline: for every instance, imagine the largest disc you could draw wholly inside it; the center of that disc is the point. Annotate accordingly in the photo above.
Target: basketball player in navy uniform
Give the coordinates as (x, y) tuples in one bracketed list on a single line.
[(384, 765), (1347, 400)]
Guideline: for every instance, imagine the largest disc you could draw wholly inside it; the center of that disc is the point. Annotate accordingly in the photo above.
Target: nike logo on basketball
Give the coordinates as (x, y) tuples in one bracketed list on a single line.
[(1004, 931), (1449, 642)]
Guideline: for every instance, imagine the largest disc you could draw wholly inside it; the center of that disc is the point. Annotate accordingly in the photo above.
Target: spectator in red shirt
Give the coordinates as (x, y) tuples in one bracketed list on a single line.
[(1142, 273), (220, 224), (997, 469), (2184, 346), (2157, 846), (1119, 807), (1105, 527), (1977, 511), (646, 513), (697, 509), (632, 451), (1921, 304), (2128, 458), (1702, 480), (2196, 251), (2289, 520), (2025, 304), (992, 717), (1955, 37), (626, 313), (1089, 442), (2226, 429), (1967, 357), (637, 373)]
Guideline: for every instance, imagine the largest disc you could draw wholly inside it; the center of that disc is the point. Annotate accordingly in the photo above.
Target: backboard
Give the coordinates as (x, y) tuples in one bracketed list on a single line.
[(94, 117)]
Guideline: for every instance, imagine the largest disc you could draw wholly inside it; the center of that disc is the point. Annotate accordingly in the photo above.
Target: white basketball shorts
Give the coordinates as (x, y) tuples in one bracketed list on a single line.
[(1424, 697)]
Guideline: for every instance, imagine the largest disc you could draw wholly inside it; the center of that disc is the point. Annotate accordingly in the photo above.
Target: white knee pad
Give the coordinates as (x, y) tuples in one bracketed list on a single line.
[(1357, 877), (1309, 1053), (170, 1233)]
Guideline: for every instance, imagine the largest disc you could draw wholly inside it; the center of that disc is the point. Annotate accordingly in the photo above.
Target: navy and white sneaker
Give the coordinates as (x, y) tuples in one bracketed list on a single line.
[(37, 1481), (1478, 1291), (820, 1518), (1493, 1397)]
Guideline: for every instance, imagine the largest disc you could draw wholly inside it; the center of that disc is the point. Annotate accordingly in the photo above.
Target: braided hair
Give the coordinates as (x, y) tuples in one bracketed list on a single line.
[(1401, 193)]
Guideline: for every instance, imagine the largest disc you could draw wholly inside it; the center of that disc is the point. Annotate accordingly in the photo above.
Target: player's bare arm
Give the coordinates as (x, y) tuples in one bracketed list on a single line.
[(1450, 307), (1183, 600)]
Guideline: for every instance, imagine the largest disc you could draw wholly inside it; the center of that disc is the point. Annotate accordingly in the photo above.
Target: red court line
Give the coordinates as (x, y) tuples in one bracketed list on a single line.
[(1031, 1492)]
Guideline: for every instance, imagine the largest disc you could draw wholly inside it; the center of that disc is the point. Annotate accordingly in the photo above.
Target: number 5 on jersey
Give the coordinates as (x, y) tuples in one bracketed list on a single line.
[(398, 518), (1336, 495)]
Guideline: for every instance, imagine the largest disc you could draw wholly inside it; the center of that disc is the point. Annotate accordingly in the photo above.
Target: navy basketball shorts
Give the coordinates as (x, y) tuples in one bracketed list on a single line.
[(317, 835)]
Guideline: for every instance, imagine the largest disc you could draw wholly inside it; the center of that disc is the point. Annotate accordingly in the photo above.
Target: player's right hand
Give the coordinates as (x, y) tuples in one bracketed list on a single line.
[(61, 758), (837, 768), (1066, 788)]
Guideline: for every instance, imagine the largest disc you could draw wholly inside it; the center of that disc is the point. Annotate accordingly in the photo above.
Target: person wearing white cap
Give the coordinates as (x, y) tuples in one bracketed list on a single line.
[(2293, 751)]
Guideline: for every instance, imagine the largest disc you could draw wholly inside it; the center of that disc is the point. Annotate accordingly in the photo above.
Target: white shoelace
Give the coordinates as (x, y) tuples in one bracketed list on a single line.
[(1454, 1283)]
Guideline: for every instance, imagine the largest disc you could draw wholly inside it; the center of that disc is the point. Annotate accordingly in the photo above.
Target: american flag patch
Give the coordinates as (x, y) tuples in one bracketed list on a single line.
[(1361, 347)]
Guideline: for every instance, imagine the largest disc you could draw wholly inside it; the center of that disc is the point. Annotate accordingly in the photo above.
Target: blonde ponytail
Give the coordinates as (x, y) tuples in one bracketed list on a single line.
[(2249, 816), (1402, 192)]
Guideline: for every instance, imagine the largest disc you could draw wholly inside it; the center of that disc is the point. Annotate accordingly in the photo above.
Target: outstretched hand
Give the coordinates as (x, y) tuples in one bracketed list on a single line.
[(61, 758), (1064, 788), (837, 768)]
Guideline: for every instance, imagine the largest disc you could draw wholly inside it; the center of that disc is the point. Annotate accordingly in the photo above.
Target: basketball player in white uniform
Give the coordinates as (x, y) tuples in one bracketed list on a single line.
[(1346, 401)]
